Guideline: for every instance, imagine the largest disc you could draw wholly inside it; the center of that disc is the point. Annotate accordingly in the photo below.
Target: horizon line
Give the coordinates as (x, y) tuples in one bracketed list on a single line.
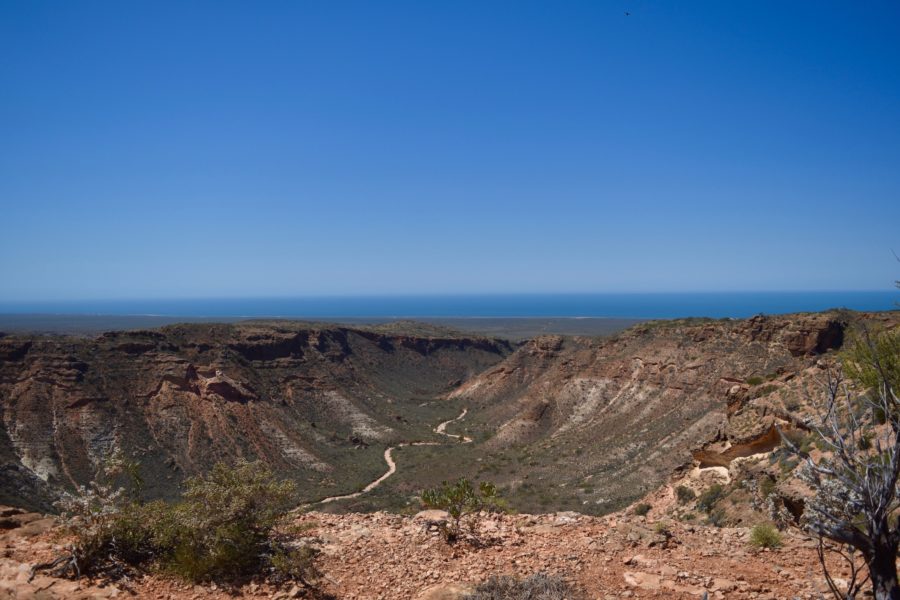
[(439, 295)]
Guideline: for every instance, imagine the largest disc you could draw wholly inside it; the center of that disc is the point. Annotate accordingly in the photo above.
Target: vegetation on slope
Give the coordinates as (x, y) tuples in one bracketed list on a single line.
[(226, 528)]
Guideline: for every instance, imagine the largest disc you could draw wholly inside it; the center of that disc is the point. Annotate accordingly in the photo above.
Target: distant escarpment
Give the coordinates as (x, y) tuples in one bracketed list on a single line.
[(316, 402)]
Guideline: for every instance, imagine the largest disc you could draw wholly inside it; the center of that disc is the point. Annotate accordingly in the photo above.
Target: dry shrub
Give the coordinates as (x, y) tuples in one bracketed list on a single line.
[(539, 586), (225, 528)]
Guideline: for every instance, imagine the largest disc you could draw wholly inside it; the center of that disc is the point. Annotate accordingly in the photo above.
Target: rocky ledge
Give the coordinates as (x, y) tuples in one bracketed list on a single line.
[(392, 557)]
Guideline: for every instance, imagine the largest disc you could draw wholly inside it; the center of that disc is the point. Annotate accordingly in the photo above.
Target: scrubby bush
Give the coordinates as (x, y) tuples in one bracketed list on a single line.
[(641, 509), (766, 486), (792, 438), (223, 528), (536, 587), (684, 494), (716, 518), (765, 535), (792, 404), (663, 528), (710, 496), (764, 390), (107, 531), (462, 501)]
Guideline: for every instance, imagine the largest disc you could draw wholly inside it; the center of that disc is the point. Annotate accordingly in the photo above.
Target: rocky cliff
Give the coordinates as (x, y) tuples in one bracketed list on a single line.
[(589, 424), (316, 402)]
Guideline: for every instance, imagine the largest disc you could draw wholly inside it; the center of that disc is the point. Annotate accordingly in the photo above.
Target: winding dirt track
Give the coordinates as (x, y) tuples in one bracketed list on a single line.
[(392, 466), (443, 426)]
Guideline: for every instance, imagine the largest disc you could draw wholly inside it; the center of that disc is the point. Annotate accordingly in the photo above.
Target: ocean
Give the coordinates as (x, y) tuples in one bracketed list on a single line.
[(632, 305)]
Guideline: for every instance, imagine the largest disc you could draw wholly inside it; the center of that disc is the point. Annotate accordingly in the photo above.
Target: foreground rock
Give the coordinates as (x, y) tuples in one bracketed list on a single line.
[(391, 557)]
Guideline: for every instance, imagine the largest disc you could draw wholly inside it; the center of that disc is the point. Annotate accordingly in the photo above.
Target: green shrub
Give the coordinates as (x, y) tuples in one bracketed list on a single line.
[(641, 509), (792, 438), (765, 535), (788, 465), (766, 486), (872, 363), (536, 587), (792, 404), (295, 564), (716, 518), (764, 390), (223, 528), (865, 440), (755, 380), (684, 494), (663, 528), (709, 497), (463, 503)]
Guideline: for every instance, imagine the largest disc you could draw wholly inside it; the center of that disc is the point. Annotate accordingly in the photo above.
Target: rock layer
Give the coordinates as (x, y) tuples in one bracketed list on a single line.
[(308, 400)]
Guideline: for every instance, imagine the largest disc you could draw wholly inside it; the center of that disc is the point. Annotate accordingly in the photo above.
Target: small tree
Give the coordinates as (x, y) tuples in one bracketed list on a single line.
[(856, 481), (223, 527), (462, 502)]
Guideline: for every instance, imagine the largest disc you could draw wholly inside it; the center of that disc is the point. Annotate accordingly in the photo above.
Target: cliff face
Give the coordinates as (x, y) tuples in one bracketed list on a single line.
[(558, 422), (308, 400), (599, 422)]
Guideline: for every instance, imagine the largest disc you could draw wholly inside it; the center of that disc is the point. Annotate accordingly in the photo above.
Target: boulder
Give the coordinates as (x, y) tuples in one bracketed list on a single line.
[(446, 591)]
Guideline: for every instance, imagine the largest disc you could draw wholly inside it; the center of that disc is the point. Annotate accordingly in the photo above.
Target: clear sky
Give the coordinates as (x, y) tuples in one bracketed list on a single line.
[(185, 149)]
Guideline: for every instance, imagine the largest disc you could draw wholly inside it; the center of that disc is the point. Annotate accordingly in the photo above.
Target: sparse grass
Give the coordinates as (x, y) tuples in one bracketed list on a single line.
[(539, 586), (764, 390), (792, 437), (674, 323), (787, 466), (792, 404), (684, 494), (641, 509), (765, 535), (716, 518), (710, 497)]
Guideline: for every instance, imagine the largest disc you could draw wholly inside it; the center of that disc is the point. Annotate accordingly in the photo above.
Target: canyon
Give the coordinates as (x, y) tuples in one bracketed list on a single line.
[(558, 422), (602, 446)]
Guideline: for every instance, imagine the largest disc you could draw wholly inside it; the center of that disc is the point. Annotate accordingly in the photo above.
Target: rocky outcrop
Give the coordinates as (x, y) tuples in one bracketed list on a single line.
[(801, 335), (722, 454), (382, 556)]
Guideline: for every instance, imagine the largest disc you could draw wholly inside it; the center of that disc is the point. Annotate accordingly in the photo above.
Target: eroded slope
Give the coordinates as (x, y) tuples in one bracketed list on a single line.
[(591, 424), (318, 403)]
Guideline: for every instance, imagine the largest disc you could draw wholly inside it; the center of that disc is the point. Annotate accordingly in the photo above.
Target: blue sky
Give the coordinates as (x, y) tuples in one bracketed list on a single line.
[(153, 149)]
